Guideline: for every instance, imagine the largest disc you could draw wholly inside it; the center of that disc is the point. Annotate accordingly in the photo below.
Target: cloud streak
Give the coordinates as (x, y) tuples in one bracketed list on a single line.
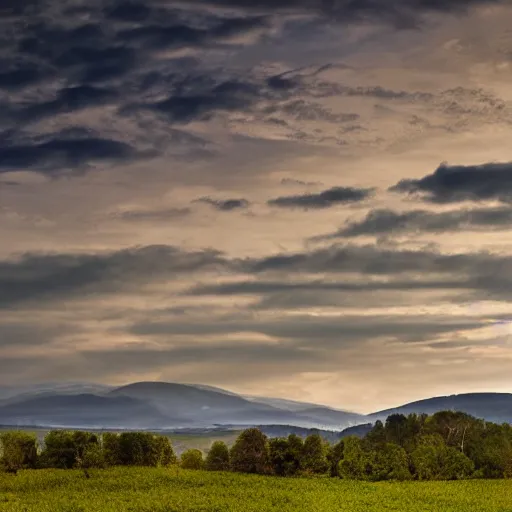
[(326, 199), (388, 222), (455, 184)]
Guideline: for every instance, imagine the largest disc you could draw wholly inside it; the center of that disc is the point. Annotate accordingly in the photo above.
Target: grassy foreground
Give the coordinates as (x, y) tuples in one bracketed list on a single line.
[(171, 490)]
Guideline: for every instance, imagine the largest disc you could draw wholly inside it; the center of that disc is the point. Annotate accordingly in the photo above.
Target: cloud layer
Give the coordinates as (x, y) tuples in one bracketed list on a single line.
[(250, 196)]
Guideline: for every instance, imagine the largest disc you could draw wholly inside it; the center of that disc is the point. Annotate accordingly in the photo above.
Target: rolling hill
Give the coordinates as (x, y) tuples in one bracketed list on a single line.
[(495, 407), (167, 406), (81, 411), (207, 406)]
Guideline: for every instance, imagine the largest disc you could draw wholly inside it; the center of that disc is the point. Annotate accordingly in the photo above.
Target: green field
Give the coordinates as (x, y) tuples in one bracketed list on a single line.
[(176, 490)]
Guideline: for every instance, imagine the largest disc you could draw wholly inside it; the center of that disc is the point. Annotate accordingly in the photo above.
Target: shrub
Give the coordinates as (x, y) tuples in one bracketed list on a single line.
[(192, 459), (63, 449), (18, 451), (217, 458)]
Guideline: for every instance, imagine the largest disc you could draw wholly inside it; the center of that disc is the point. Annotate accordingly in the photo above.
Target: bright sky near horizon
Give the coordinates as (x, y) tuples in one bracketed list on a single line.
[(304, 199)]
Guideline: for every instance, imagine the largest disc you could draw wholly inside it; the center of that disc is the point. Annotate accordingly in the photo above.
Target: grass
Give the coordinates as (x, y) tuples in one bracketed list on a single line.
[(173, 490)]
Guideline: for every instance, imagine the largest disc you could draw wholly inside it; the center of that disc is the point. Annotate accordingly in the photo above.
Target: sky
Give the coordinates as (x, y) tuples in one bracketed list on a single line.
[(307, 199)]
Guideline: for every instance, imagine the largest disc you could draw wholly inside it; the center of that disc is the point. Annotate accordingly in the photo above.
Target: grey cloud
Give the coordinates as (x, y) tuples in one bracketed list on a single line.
[(453, 184), (314, 332), (226, 205), (302, 110), (389, 222), (243, 351), (269, 287), (231, 95), (52, 277), (371, 259), (156, 36), (34, 277), (326, 89), (326, 199), (30, 334), (291, 181), (162, 215)]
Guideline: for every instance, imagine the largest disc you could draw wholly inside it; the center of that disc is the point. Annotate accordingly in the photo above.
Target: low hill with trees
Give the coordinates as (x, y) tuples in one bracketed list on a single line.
[(447, 445)]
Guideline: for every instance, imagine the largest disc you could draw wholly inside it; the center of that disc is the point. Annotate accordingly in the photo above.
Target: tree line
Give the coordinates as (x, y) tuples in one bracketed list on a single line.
[(444, 446)]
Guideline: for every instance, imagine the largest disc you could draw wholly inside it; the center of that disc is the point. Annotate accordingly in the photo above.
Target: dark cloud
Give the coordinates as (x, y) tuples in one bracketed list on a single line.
[(34, 277), (128, 11), (453, 184), (326, 89), (270, 287), (20, 76), (59, 153), (372, 259), (389, 222), (484, 275), (291, 181), (400, 11), (158, 36), (162, 215), (69, 99), (326, 199), (314, 332), (225, 96), (226, 205), (44, 277)]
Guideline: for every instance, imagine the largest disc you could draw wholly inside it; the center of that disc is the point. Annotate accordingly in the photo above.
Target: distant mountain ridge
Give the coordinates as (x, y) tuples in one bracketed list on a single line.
[(168, 406), (495, 407)]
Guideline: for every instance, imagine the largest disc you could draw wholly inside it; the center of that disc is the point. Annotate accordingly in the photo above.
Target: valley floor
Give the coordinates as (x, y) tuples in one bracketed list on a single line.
[(176, 490)]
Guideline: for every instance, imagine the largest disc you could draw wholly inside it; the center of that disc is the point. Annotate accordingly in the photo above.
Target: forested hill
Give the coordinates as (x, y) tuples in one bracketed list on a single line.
[(495, 407)]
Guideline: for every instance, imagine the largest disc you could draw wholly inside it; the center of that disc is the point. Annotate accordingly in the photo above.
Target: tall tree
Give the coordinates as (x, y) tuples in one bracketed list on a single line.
[(250, 454), (334, 457), (314, 455)]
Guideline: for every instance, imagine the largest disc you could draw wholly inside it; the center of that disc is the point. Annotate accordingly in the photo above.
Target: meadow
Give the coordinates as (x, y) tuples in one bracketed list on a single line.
[(131, 489)]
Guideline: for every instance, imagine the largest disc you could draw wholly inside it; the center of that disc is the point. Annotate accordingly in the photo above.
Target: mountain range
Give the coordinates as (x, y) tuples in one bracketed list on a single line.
[(172, 406)]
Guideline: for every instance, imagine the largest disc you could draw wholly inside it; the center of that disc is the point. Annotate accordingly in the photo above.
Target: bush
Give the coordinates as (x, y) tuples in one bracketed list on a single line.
[(18, 450), (92, 457), (192, 459), (111, 449), (391, 463), (217, 458), (165, 452), (64, 449), (455, 465)]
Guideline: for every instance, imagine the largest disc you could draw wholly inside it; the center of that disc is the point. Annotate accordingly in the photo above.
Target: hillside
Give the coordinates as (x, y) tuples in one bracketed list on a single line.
[(206, 406), (162, 405), (495, 407), (82, 411)]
